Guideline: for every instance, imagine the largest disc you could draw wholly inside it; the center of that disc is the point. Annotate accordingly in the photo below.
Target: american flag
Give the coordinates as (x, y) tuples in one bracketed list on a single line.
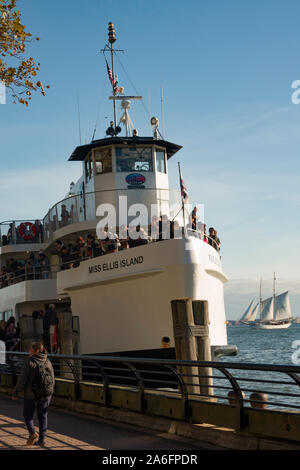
[(184, 193), (111, 79)]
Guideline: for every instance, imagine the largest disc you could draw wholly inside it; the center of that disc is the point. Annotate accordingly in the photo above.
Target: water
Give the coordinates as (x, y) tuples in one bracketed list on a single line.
[(265, 347)]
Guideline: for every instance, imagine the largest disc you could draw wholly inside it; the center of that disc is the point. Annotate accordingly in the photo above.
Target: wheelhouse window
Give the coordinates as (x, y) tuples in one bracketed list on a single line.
[(134, 159), (88, 167), (103, 161), (160, 161)]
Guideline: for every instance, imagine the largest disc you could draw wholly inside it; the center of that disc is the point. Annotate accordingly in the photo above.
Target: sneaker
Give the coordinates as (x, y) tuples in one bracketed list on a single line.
[(41, 443), (32, 438)]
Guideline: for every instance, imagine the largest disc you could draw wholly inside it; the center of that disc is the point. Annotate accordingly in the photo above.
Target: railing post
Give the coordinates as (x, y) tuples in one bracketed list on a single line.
[(141, 386), (239, 399), (105, 382), (184, 394)]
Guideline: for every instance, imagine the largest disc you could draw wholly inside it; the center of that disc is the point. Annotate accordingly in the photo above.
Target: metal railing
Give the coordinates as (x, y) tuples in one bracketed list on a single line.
[(17, 232), (234, 384), (27, 274), (82, 207), (30, 273)]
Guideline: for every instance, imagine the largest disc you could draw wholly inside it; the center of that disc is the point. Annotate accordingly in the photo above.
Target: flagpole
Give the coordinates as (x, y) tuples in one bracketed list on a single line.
[(183, 212)]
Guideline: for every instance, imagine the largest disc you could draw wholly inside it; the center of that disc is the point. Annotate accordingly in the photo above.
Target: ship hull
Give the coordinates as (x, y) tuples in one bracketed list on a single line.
[(270, 326), (123, 300)]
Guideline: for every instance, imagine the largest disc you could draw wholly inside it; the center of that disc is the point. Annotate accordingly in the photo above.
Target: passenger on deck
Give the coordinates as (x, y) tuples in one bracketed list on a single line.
[(31, 268), (65, 216), (142, 237), (39, 237), (20, 273), (91, 246), (11, 333), (213, 239), (4, 240), (123, 237), (112, 245), (218, 243), (43, 265), (164, 228), (79, 250), (154, 229), (49, 322), (11, 233), (194, 218), (66, 258)]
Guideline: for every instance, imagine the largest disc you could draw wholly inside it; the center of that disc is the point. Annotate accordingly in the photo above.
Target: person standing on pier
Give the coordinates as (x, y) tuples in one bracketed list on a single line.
[(37, 381)]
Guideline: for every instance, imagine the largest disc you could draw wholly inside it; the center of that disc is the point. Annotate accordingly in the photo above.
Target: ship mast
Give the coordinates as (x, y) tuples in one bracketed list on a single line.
[(260, 299), (111, 39), (110, 47), (274, 279)]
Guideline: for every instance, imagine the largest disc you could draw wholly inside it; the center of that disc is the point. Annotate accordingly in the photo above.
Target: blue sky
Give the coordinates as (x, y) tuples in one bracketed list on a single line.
[(226, 69)]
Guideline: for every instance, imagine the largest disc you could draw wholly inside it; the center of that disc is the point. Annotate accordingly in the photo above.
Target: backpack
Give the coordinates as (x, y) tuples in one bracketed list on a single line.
[(43, 383)]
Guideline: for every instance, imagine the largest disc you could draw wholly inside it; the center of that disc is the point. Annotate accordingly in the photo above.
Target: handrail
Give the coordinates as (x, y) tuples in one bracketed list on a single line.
[(106, 191), (147, 374)]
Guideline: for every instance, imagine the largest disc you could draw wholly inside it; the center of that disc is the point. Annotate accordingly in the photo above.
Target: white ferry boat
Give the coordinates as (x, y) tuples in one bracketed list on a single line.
[(123, 297)]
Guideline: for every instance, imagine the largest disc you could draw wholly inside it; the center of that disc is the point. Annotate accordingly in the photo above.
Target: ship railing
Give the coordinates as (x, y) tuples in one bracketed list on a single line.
[(201, 235), (83, 206), (239, 386), (31, 273), (21, 232)]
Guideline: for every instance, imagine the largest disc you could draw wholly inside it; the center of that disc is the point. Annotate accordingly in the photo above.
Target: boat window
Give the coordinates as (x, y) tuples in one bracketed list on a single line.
[(103, 161), (134, 159), (160, 161), (88, 167)]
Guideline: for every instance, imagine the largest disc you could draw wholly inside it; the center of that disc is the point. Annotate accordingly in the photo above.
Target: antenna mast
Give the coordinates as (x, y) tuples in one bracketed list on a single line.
[(110, 47), (111, 40)]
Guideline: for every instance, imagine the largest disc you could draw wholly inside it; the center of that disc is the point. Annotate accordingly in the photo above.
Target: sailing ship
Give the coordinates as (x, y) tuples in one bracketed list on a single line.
[(274, 312)]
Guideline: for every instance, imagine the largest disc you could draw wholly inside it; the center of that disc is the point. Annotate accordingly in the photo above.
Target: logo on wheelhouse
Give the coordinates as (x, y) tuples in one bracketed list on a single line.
[(135, 179)]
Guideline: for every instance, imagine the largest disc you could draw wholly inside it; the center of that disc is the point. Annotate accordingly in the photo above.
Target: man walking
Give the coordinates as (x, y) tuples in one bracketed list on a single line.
[(37, 381)]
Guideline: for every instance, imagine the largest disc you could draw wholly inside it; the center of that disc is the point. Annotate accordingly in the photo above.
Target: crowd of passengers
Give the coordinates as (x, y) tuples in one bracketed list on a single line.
[(107, 242), (10, 330), (110, 242), (17, 270)]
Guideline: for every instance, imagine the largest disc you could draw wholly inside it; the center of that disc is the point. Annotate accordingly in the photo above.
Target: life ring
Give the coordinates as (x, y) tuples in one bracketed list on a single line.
[(27, 230)]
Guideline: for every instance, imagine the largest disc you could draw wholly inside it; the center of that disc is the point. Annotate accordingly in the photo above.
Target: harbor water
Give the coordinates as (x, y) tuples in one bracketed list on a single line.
[(265, 347)]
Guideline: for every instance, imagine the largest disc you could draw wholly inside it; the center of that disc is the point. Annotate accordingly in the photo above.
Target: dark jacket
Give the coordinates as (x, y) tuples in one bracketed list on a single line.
[(27, 375), (50, 318)]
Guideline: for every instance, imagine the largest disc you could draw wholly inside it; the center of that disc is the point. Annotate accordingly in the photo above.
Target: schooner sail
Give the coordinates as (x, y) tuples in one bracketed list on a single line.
[(248, 313), (267, 307), (282, 308), (254, 313)]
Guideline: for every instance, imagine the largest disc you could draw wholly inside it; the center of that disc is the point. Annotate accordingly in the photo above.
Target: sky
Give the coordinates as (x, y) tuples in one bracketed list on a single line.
[(226, 69)]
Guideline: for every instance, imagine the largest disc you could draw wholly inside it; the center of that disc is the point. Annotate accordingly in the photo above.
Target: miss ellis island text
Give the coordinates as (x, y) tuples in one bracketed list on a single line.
[(122, 263)]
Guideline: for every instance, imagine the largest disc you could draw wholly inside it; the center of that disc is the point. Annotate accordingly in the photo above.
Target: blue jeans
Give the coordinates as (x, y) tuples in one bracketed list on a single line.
[(42, 412)]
